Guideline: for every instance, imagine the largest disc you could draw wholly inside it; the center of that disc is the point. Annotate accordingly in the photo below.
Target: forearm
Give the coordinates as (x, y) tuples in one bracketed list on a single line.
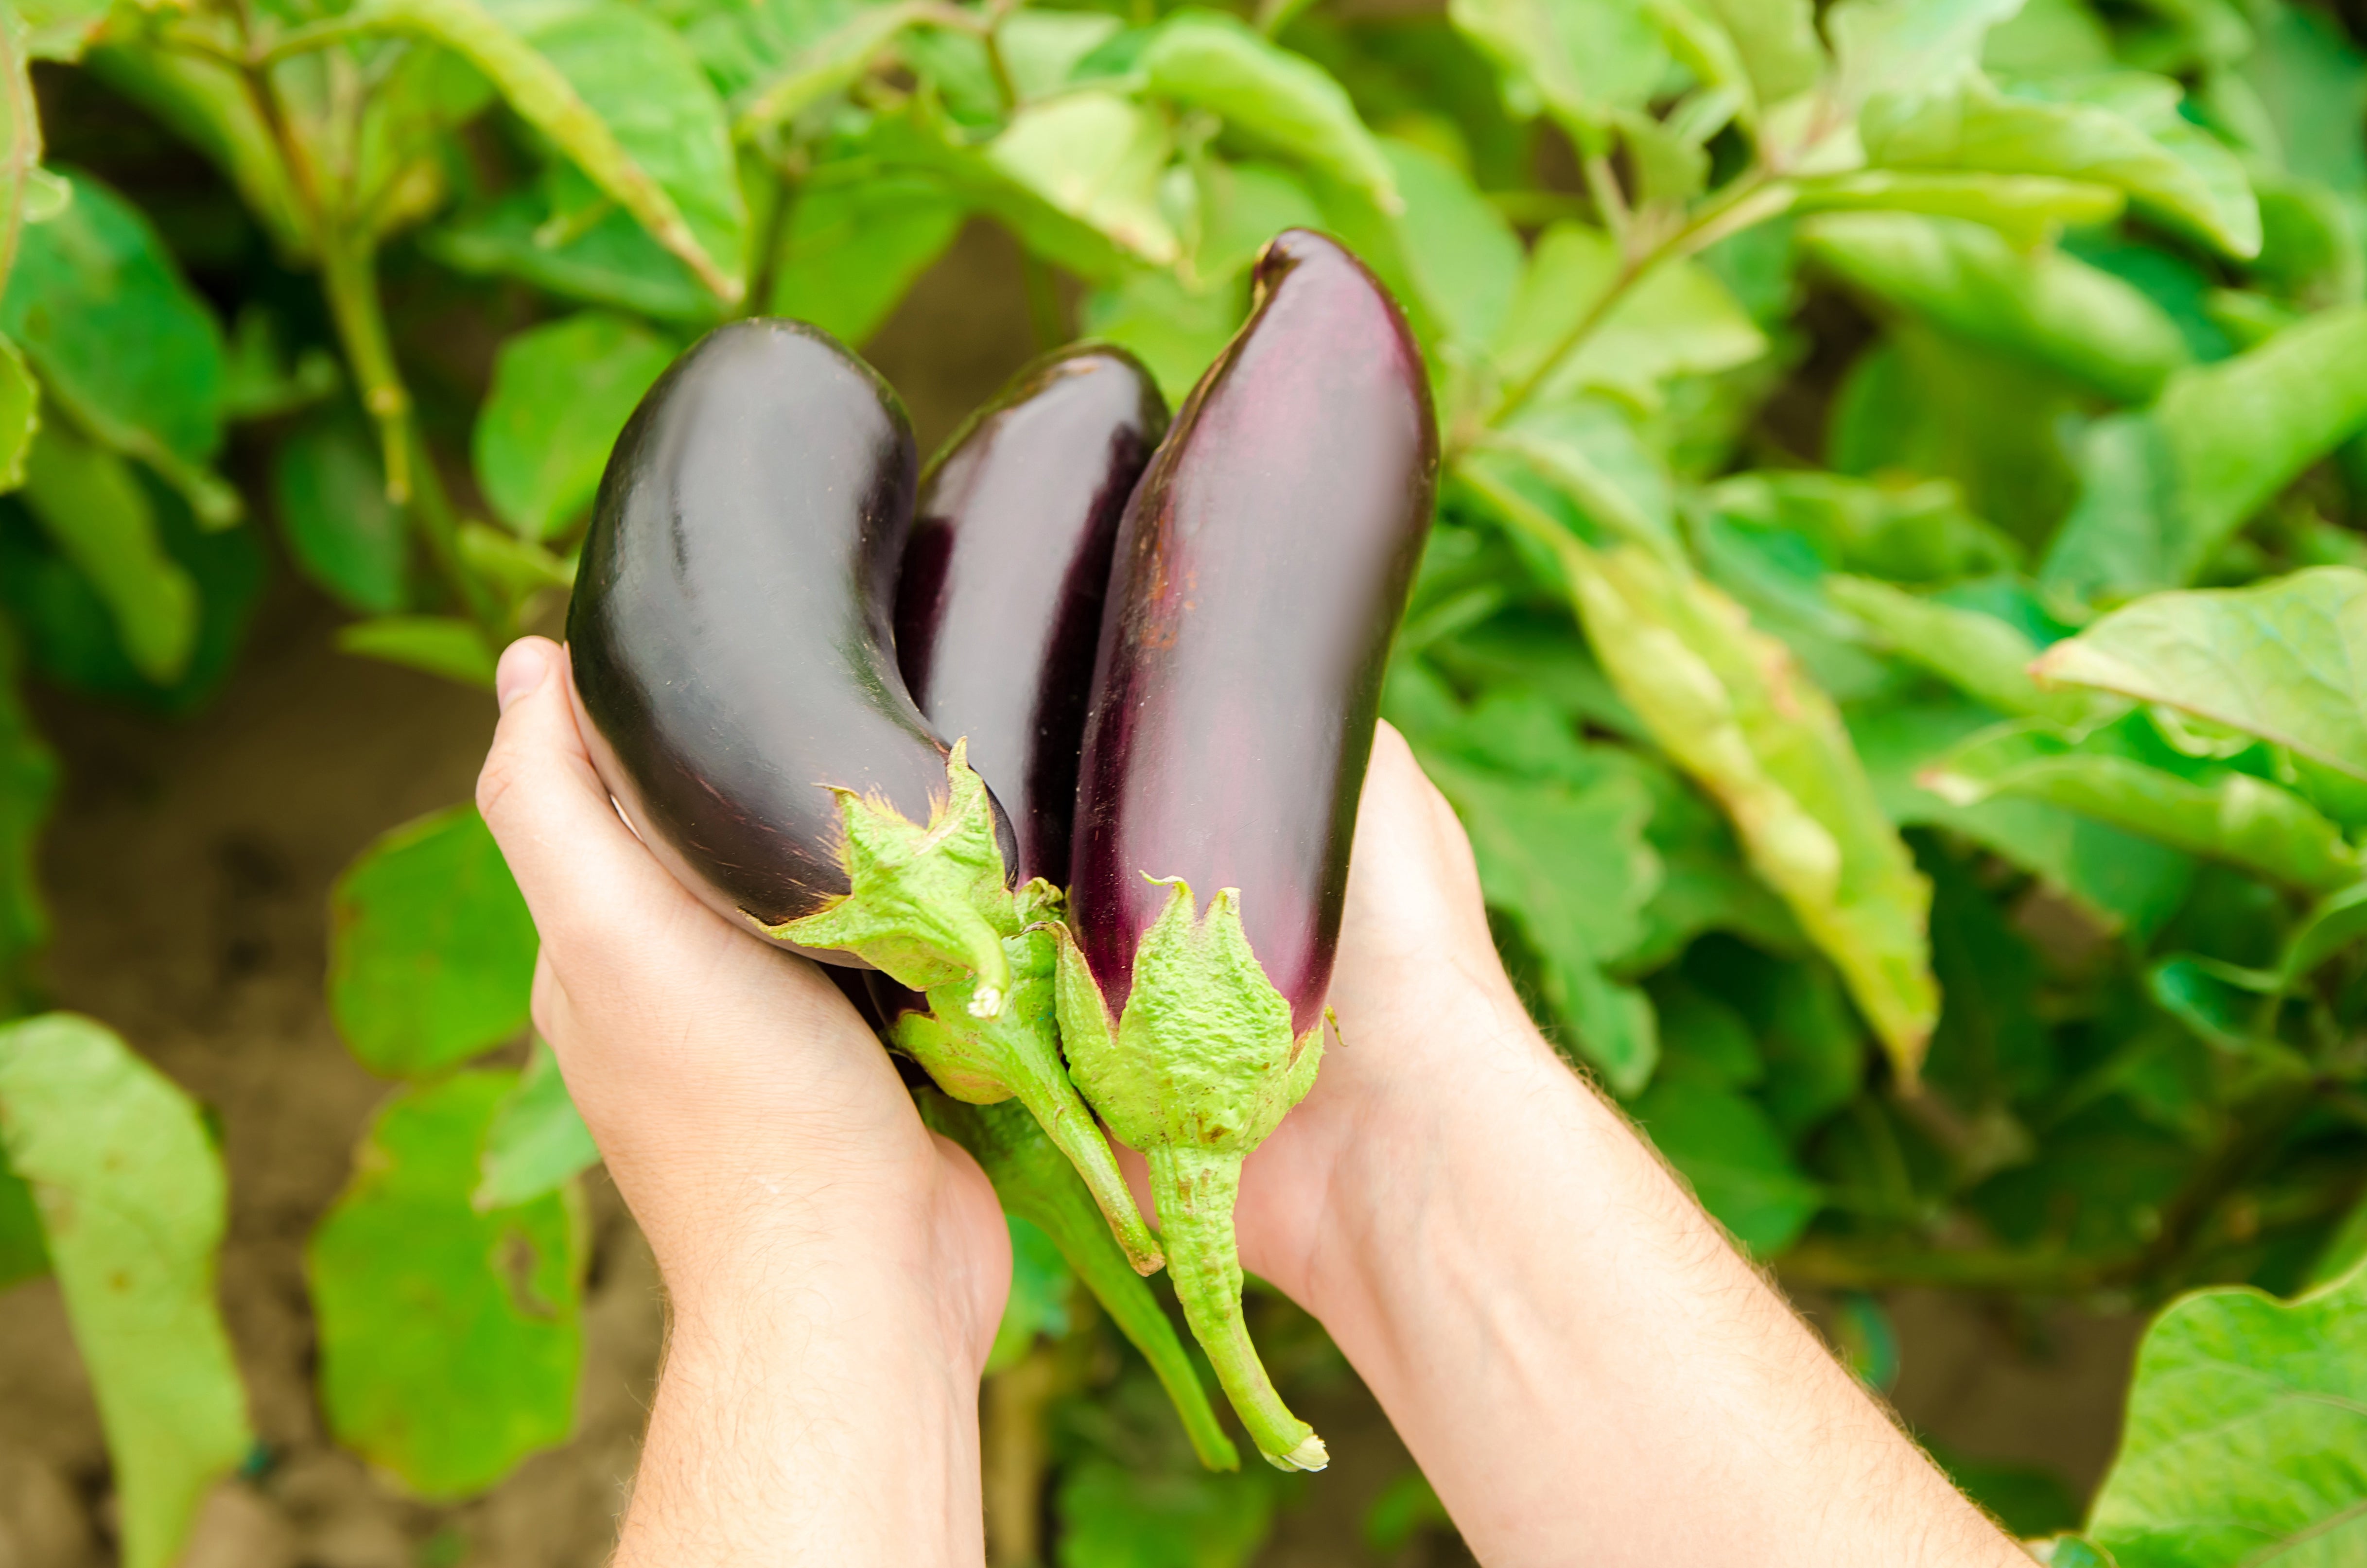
[(1580, 1361), (824, 1416)]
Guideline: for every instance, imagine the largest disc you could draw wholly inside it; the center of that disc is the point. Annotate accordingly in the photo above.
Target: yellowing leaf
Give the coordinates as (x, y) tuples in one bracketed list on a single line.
[(132, 1205)]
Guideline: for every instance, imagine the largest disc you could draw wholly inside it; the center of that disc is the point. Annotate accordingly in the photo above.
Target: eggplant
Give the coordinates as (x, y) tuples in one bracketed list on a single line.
[(999, 606), (1036, 1184), (736, 685), (1260, 569), (998, 617)]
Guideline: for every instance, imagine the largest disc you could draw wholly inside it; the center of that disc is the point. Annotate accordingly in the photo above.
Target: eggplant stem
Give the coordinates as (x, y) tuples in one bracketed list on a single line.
[(1040, 1082), (1195, 1190)]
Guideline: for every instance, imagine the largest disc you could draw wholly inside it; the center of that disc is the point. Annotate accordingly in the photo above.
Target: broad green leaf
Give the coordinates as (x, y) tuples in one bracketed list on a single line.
[(2048, 307), (2122, 881), (2028, 210), (1175, 333), (434, 644), (95, 510), (1043, 49), (2333, 924), (1979, 655), (1569, 864), (2048, 37), (1735, 1159), (451, 1340), (2312, 81), (812, 66), (1776, 41), (515, 566), (1117, 1514), (851, 247), (132, 1206), (1907, 49), (1576, 60), (1725, 703), (341, 530), (2165, 489), (622, 97), (2122, 131), (208, 104), (61, 29), (1678, 320), (259, 382), (1465, 258), (20, 136), (2233, 816), (1906, 532), (2285, 661), (2247, 1435), (88, 281), (536, 1144), (1243, 206), (402, 146), (920, 141), (561, 393), (1210, 60), (1038, 1302), (612, 262), (1097, 158), (431, 951), (1583, 465), (2345, 1250)]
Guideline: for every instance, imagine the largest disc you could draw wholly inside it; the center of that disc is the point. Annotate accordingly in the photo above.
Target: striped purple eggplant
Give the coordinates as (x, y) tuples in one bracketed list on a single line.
[(1260, 572)]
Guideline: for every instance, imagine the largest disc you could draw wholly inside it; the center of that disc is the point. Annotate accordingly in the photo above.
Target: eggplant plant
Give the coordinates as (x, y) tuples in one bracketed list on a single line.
[(1885, 622)]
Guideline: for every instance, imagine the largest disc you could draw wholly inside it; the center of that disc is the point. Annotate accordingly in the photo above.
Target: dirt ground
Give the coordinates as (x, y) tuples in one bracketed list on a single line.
[(188, 868)]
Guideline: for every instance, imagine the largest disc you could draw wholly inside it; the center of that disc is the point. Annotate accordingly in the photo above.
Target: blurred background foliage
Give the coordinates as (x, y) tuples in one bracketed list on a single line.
[(1896, 626)]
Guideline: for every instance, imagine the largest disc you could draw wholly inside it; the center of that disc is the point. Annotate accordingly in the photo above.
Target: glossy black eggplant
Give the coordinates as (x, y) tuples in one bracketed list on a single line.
[(1260, 569), (999, 608), (731, 635)]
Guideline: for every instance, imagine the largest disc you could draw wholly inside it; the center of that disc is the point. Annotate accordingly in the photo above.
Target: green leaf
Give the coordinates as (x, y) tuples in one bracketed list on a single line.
[(1210, 61), (1906, 49), (2122, 131), (20, 137), (20, 414), (2345, 1250), (2028, 210), (811, 64), (561, 392), (29, 782), (1576, 60), (1727, 704), (611, 262), (88, 281), (1465, 258), (918, 141), (1979, 655), (431, 949), (132, 1206), (1678, 321), (515, 566), (1038, 1302), (2247, 1434), (1904, 532), (92, 505), (1776, 41), (2232, 816), (2164, 490), (1175, 333), (1115, 1515), (2049, 307), (1099, 158), (2285, 661), (536, 1144), (852, 246), (1736, 1160), (433, 645), (623, 97), (342, 532), (451, 1340), (61, 29), (1583, 465), (23, 1254), (2312, 82)]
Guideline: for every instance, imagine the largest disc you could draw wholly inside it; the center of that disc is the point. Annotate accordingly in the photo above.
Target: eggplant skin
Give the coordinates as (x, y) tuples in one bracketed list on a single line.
[(999, 606), (1261, 570), (729, 634)]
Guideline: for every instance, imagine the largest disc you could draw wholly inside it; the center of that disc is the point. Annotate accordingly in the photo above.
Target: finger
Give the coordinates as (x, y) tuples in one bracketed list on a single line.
[(574, 860)]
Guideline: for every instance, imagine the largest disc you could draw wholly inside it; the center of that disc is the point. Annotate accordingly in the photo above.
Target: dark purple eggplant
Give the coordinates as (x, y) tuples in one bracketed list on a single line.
[(1260, 569), (999, 609), (733, 653)]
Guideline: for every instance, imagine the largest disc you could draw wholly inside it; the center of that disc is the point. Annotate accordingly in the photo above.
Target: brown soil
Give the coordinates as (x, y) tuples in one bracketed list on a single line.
[(189, 868)]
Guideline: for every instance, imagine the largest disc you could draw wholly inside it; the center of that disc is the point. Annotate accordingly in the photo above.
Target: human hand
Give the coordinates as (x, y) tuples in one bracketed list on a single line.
[(835, 1271)]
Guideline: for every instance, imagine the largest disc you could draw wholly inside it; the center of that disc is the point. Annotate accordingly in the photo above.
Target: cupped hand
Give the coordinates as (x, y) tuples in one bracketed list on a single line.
[(747, 1114)]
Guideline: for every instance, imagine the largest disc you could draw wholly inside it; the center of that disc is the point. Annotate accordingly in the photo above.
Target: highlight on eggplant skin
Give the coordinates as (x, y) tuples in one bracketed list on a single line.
[(1262, 566), (729, 634), (999, 606)]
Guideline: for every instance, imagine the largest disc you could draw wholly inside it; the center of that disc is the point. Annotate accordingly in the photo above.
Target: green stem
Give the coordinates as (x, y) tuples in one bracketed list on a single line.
[(1710, 223), (1195, 1190)]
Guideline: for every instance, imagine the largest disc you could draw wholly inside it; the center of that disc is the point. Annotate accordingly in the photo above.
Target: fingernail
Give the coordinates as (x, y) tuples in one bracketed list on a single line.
[(526, 665)]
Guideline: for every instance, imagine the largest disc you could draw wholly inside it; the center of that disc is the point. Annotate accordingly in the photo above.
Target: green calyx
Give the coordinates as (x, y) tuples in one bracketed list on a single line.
[(1198, 1069), (927, 905), (1035, 1183), (1016, 1053)]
